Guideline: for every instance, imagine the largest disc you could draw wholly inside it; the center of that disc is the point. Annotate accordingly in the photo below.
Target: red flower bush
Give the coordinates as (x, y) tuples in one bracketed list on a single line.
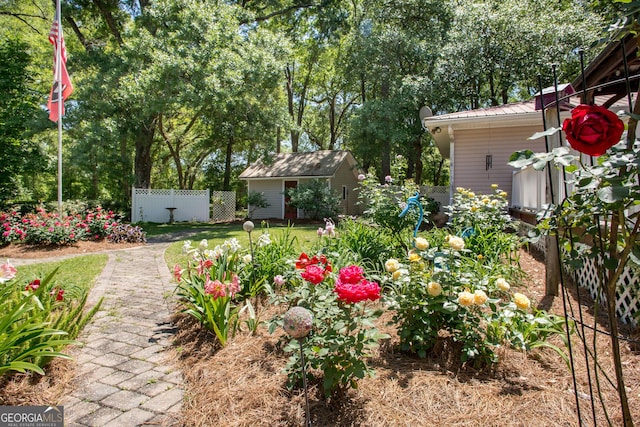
[(352, 287), (593, 129)]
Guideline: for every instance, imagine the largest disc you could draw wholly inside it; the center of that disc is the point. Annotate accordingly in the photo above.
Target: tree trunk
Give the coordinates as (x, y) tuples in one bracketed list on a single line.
[(143, 162), (125, 172), (226, 183), (417, 154)]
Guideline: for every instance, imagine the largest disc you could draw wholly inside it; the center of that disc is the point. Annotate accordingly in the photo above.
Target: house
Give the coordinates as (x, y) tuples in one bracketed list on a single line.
[(288, 170), (479, 142)]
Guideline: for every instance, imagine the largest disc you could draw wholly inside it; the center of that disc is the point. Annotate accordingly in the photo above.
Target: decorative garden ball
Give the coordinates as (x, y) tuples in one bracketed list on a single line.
[(297, 322), (248, 226)]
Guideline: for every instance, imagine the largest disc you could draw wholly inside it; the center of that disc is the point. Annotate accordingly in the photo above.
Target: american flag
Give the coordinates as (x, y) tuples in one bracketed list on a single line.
[(60, 74)]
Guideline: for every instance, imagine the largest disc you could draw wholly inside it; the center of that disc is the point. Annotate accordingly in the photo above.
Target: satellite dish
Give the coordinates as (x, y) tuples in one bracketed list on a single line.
[(425, 112)]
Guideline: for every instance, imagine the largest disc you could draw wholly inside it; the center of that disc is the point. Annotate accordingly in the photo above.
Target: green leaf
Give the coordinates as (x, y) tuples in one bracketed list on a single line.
[(613, 194)]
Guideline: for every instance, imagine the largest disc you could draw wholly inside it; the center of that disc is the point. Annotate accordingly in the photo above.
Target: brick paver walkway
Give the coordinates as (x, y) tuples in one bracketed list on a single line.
[(124, 375)]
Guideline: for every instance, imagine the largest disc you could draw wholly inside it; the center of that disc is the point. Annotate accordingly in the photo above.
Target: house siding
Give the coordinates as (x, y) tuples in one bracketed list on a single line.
[(272, 190), (346, 177), (473, 145)]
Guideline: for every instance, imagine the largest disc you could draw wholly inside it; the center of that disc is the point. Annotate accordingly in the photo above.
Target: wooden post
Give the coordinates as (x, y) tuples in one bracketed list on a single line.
[(552, 257)]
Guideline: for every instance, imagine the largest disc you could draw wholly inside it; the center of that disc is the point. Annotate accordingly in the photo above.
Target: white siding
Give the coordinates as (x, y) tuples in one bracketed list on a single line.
[(473, 145), (272, 191)]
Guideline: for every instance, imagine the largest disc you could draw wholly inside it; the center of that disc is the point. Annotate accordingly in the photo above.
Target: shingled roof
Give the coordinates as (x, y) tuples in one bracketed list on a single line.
[(319, 164)]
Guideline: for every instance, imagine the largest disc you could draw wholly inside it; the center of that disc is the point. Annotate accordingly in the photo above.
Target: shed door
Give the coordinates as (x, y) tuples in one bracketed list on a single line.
[(289, 211)]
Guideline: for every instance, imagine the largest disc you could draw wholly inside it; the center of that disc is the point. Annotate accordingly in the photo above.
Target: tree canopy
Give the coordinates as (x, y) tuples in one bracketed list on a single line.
[(186, 93)]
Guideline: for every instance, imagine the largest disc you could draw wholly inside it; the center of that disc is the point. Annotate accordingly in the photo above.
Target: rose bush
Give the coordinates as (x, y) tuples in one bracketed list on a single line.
[(592, 129), (343, 334)]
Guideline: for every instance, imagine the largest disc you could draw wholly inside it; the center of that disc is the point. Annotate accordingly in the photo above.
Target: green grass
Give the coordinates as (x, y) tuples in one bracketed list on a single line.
[(218, 233), (80, 271)]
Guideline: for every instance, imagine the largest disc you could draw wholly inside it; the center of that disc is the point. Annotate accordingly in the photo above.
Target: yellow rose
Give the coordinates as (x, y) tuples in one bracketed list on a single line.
[(503, 194), (421, 243), (480, 256), (522, 302), (479, 297), (391, 265), (396, 274), (471, 194), (502, 284), (494, 202), (474, 208), (486, 200), (460, 189), (434, 289), (456, 243), (414, 257), (494, 186), (466, 299)]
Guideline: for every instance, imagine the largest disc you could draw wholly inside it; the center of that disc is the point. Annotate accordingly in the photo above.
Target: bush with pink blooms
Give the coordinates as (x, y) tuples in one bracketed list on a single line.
[(49, 228), (343, 334)]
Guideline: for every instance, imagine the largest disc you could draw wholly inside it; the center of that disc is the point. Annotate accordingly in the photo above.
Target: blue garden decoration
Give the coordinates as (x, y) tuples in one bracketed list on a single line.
[(414, 201)]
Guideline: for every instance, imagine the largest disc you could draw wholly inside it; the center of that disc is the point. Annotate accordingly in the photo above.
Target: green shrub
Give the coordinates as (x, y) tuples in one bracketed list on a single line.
[(315, 198), (38, 320)]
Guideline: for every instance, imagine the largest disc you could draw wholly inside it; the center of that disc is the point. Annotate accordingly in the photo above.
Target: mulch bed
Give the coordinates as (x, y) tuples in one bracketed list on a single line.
[(243, 384)]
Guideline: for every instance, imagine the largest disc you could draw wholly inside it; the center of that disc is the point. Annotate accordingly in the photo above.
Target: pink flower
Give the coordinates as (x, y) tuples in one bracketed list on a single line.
[(215, 288), (204, 266), (177, 272), (33, 286), (234, 286), (313, 273), (58, 294), (278, 280), (361, 177), (388, 179), (320, 231), (352, 293), (351, 274), (7, 272)]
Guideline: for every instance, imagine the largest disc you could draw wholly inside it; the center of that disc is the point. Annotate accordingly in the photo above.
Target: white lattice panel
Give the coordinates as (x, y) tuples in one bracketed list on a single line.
[(627, 295), (223, 206), (152, 205)]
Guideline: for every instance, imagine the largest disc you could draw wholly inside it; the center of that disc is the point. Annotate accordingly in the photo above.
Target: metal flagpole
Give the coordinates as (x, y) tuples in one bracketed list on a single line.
[(60, 101)]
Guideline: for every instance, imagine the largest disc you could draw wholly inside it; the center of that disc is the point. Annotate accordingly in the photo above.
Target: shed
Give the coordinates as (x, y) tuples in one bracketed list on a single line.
[(273, 176)]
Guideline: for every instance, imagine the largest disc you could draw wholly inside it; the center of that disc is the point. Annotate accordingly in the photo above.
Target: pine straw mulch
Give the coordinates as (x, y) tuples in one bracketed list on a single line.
[(21, 250), (243, 384)]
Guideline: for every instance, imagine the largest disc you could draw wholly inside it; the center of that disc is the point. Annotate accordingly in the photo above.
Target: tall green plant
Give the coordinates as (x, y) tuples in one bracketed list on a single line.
[(37, 321)]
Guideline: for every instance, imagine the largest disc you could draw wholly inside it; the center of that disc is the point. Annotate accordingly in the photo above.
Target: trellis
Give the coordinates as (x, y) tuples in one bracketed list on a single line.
[(223, 206)]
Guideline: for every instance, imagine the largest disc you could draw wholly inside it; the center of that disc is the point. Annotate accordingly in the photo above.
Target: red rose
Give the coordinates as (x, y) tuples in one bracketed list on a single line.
[(353, 293), (313, 274), (351, 274), (592, 129)]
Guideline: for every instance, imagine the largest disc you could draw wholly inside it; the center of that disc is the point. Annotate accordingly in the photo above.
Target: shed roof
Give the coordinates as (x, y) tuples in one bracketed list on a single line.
[(319, 164)]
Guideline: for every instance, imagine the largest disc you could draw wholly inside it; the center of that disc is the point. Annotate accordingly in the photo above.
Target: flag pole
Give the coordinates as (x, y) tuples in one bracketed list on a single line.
[(60, 101)]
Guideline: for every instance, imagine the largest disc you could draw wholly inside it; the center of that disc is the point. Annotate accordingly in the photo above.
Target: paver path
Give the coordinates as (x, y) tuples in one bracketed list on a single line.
[(124, 377)]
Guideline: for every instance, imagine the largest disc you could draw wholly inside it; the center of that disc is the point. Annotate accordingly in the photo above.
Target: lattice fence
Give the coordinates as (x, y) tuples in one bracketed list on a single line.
[(163, 205), (627, 301), (627, 296), (223, 206)]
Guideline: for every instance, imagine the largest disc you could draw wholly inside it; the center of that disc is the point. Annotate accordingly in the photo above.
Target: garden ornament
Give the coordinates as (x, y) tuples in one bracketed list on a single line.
[(414, 201), (297, 323)]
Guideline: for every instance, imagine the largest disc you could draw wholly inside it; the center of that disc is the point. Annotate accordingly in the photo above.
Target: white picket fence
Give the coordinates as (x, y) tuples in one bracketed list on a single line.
[(157, 205)]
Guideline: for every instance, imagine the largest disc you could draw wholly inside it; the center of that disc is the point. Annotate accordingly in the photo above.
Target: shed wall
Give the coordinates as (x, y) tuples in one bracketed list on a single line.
[(272, 191)]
